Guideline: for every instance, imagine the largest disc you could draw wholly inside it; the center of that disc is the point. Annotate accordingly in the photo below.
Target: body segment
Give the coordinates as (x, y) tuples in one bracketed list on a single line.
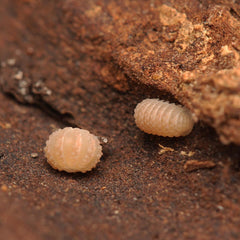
[(73, 150), (161, 118)]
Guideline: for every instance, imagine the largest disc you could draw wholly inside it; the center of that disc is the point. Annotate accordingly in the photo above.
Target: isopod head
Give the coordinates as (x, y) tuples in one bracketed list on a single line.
[(161, 118), (73, 150)]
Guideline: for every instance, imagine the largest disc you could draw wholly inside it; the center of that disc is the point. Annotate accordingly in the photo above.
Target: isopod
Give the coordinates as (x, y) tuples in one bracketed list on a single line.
[(73, 150), (162, 118)]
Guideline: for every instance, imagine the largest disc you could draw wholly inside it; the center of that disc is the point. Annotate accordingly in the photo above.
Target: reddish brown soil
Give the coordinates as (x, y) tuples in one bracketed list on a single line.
[(134, 193)]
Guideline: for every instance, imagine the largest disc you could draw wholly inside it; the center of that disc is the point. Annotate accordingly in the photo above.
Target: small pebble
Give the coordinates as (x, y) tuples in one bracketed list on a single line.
[(11, 62), (4, 188), (18, 75), (3, 64), (219, 207), (30, 51), (48, 92), (104, 139), (8, 125), (34, 155)]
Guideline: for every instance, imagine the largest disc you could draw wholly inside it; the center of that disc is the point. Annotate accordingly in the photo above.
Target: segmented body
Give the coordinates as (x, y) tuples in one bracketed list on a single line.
[(73, 150), (161, 118)]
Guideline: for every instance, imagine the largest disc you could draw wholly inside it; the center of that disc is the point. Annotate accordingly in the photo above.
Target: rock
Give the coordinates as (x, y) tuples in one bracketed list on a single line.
[(189, 50)]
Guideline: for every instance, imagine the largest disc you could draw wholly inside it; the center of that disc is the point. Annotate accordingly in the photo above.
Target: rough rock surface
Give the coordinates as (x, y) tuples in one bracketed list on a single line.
[(190, 50)]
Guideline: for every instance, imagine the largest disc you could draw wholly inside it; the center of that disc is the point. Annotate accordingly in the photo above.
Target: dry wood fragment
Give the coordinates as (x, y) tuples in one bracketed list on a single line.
[(193, 165), (189, 154), (164, 149)]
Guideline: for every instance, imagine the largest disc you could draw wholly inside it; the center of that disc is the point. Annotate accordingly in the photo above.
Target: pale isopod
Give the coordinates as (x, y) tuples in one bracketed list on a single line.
[(73, 150), (162, 118)]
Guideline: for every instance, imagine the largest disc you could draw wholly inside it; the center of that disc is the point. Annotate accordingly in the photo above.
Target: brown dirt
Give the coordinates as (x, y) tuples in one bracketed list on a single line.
[(137, 191)]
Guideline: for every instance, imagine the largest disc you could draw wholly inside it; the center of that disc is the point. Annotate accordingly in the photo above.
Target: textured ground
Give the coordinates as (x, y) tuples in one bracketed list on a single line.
[(134, 193), (88, 70)]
